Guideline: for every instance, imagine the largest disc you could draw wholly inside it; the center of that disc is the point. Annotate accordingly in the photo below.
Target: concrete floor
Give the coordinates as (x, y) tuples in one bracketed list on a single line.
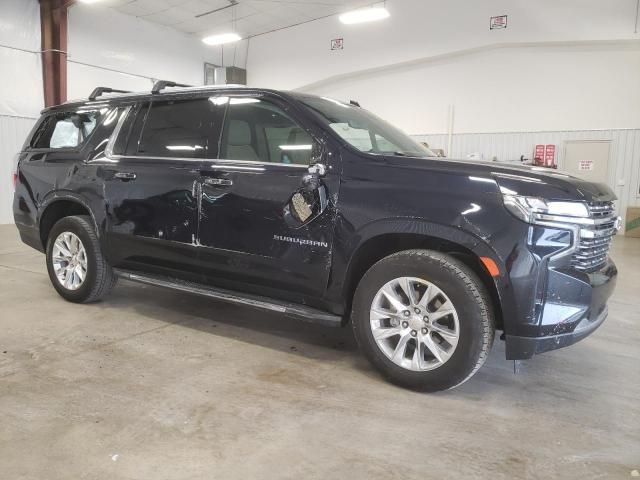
[(152, 384)]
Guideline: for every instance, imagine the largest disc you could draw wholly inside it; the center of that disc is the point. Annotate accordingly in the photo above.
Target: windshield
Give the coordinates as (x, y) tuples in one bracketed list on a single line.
[(363, 130)]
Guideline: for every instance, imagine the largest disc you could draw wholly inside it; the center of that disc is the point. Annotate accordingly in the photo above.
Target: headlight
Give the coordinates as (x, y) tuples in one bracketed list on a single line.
[(539, 210)]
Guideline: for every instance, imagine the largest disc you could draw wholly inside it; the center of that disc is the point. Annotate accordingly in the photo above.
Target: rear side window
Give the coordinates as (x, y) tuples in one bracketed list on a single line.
[(181, 128), (65, 130)]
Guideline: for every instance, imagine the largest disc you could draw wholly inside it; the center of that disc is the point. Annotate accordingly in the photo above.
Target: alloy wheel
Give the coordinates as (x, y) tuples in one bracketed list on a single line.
[(414, 323), (69, 259)]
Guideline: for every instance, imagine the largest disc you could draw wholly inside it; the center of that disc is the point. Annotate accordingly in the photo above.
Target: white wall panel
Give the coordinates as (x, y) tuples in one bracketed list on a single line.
[(20, 24), (21, 97), (624, 164), (506, 89), (419, 29), (13, 132), (108, 48), (20, 66), (570, 65)]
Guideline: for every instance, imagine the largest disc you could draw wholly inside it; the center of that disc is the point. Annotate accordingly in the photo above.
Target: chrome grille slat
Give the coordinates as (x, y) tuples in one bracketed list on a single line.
[(595, 239)]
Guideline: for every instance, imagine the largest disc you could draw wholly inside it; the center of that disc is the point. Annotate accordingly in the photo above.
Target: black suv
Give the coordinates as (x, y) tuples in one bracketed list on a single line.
[(317, 209)]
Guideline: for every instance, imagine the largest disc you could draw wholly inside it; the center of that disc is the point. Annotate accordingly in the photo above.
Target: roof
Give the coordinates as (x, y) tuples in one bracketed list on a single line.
[(103, 96)]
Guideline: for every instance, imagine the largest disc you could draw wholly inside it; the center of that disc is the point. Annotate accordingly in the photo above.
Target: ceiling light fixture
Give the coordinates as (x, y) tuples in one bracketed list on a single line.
[(221, 39), (364, 15)]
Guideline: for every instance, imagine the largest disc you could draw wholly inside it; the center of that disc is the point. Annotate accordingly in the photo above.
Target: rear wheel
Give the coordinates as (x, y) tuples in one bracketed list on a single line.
[(76, 266), (423, 319)]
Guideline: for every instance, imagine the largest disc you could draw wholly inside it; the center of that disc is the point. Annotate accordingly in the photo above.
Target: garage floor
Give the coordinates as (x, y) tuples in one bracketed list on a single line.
[(153, 384)]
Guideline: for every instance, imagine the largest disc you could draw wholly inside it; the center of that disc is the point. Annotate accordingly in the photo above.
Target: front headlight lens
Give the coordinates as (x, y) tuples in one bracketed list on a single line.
[(534, 209)]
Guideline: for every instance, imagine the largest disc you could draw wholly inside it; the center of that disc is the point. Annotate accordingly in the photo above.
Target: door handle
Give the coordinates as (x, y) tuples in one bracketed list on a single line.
[(218, 181), (126, 176)]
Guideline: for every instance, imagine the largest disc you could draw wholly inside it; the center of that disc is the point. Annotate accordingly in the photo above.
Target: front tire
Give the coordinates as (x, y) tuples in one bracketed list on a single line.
[(423, 319), (77, 269)]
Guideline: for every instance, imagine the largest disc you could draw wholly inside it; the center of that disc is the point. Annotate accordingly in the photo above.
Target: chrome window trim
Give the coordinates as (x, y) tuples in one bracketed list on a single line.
[(216, 161)]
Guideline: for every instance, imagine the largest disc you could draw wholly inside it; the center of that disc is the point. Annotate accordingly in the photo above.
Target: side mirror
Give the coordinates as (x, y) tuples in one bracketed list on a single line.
[(311, 198)]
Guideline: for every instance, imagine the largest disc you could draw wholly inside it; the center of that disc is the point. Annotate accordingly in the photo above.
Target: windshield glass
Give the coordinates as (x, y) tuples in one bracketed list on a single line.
[(364, 130)]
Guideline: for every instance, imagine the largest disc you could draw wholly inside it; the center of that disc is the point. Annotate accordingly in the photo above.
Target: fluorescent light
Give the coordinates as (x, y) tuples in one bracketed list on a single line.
[(364, 15), (221, 39), (219, 100), (184, 148), (242, 101), (295, 147)]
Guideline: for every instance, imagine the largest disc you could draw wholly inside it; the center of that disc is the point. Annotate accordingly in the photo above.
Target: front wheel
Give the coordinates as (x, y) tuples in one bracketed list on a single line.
[(77, 269), (424, 319)]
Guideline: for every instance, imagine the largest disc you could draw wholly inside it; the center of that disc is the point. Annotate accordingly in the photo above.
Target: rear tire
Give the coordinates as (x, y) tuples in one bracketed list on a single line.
[(77, 269), (423, 319)]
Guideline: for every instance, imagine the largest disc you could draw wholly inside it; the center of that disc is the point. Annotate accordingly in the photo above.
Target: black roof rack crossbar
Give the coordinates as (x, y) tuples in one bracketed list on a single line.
[(97, 92), (162, 84)]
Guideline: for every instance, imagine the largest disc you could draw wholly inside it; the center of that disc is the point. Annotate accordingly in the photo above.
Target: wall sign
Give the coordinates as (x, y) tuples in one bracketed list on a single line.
[(337, 44), (498, 22), (550, 156), (545, 156), (585, 165)]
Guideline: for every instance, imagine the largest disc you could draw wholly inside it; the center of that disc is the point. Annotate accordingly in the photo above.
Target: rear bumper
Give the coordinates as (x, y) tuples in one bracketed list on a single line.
[(574, 306)]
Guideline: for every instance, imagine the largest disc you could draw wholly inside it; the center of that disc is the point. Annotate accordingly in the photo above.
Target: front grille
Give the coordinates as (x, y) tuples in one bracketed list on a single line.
[(595, 237)]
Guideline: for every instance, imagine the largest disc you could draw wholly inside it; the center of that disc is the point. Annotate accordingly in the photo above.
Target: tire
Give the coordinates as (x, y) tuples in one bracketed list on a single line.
[(433, 358), (98, 279)]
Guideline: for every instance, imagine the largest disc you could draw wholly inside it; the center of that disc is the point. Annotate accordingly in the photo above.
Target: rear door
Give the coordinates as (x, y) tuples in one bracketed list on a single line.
[(266, 222), (152, 180)]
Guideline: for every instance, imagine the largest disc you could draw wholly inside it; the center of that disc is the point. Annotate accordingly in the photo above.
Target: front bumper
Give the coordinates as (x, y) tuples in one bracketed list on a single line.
[(522, 348), (574, 306)]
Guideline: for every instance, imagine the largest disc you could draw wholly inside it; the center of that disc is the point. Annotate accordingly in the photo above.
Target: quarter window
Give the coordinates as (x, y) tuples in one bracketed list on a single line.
[(65, 130), (257, 130)]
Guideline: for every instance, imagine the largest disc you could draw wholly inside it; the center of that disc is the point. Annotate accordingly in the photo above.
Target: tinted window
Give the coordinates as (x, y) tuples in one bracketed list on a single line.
[(65, 130), (257, 130), (181, 128)]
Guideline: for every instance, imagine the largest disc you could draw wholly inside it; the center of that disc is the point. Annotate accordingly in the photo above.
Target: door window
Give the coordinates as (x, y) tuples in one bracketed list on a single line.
[(181, 128), (257, 130)]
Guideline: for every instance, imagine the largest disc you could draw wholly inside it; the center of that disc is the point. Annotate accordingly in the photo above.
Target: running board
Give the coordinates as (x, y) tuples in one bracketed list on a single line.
[(303, 312)]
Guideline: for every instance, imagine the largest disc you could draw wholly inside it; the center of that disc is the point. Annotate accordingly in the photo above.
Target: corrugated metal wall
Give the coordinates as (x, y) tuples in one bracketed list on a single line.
[(624, 164), (13, 131)]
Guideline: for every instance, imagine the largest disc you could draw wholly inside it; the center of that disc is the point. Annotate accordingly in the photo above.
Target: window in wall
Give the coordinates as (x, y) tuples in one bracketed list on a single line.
[(65, 130), (181, 128), (257, 130)]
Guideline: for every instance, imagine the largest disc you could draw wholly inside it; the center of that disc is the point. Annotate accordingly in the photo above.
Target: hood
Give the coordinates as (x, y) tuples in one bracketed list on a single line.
[(520, 179)]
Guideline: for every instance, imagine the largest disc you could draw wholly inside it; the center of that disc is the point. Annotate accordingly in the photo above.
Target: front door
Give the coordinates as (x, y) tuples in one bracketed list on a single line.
[(151, 187), (267, 218)]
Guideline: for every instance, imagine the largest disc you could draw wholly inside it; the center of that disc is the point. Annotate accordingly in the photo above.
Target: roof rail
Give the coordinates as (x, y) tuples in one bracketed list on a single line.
[(162, 84), (97, 92)]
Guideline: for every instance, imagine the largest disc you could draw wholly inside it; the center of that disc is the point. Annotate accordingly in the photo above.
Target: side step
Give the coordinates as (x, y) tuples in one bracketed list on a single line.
[(302, 312)]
